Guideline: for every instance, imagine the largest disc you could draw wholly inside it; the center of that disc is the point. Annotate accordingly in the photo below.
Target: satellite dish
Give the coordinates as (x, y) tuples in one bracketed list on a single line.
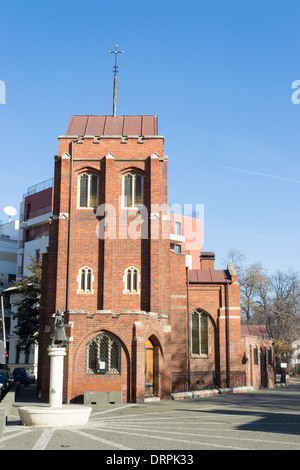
[(10, 211)]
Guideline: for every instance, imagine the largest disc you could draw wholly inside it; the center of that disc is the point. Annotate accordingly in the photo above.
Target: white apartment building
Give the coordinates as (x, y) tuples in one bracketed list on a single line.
[(32, 236), (8, 269)]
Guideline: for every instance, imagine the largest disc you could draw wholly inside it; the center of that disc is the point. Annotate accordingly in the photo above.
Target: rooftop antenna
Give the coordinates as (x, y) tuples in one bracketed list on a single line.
[(115, 70), (10, 211)]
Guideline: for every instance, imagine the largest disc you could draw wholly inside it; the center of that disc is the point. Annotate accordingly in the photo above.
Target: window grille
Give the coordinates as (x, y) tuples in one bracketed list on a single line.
[(103, 356), (199, 334)]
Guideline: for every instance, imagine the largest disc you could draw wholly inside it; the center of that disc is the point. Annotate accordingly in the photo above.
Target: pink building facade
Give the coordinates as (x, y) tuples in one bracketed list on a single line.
[(186, 236)]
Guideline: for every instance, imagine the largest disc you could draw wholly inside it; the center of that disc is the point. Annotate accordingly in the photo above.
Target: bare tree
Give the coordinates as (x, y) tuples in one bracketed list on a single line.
[(285, 305), (253, 282), (269, 299)]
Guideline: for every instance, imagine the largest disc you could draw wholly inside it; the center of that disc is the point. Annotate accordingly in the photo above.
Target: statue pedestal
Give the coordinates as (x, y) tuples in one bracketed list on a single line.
[(55, 414), (56, 376)]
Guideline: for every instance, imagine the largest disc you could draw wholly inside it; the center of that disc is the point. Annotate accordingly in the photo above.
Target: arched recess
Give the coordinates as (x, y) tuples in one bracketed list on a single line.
[(86, 169), (200, 334), (153, 359), (204, 347), (132, 169), (116, 373)]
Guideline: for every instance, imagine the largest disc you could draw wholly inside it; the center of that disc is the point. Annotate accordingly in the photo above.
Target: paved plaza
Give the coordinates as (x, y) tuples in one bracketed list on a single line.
[(259, 420)]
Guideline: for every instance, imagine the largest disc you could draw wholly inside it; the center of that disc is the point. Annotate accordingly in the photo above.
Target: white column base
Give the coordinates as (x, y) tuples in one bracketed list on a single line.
[(56, 376)]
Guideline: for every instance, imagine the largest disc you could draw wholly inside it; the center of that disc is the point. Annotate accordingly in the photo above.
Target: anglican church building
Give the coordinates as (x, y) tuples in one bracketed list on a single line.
[(145, 317), (142, 322)]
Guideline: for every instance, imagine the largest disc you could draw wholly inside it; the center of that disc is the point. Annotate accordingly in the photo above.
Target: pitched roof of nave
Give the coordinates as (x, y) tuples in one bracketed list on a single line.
[(209, 275), (108, 125)]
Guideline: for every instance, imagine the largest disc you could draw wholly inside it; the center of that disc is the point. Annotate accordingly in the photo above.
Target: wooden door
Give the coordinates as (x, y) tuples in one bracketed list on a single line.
[(149, 369)]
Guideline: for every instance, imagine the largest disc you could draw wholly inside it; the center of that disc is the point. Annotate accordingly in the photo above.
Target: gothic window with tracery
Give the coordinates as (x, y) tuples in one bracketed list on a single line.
[(132, 190), (85, 281), (103, 355), (87, 190), (131, 281), (199, 334)]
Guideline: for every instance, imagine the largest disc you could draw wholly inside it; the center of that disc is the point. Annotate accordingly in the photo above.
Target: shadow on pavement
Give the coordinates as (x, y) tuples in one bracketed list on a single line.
[(272, 411), (26, 394)]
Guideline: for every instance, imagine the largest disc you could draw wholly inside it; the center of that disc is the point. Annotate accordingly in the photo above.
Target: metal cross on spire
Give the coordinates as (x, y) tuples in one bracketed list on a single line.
[(115, 70)]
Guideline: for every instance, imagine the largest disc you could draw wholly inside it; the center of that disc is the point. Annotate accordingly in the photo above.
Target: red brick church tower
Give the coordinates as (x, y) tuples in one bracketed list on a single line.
[(139, 322)]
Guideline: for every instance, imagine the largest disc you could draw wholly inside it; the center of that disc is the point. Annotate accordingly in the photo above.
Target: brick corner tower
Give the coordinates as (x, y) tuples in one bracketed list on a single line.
[(108, 262)]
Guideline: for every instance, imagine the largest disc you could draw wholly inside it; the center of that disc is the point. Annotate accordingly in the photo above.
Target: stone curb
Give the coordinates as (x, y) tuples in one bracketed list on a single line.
[(209, 393)]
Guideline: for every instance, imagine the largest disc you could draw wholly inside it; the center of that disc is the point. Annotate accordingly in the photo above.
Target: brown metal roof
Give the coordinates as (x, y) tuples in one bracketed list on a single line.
[(208, 275), (113, 125), (260, 331)]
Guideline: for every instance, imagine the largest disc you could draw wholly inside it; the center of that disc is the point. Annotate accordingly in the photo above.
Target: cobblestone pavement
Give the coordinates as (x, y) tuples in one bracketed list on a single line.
[(260, 420)]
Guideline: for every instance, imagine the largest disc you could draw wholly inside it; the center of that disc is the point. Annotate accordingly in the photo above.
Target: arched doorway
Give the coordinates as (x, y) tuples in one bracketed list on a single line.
[(150, 381)]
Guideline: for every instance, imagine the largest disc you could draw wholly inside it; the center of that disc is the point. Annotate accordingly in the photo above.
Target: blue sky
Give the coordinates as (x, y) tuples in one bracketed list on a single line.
[(217, 73)]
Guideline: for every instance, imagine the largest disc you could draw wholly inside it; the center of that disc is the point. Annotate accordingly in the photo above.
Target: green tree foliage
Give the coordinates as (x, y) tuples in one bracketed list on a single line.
[(28, 305)]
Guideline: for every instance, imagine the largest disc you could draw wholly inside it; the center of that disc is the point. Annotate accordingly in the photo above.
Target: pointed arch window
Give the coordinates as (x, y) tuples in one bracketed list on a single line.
[(200, 338), (87, 190), (131, 280), (103, 355), (132, 190), (85, 281)]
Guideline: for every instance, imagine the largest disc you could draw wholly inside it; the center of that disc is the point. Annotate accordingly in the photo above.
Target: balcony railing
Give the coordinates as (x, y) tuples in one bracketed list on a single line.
[(39, 187), (39, 212), (36, 236)]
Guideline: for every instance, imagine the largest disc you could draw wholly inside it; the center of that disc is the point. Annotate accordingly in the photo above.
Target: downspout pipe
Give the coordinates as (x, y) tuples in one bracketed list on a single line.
[(69, 226), (227, 330), (188, 328)]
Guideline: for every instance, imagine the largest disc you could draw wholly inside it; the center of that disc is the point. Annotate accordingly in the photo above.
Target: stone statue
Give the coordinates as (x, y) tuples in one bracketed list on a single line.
[(58, 337)]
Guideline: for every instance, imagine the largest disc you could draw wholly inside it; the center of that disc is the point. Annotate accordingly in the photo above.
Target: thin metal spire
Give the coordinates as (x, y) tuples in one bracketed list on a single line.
[(115, 70)]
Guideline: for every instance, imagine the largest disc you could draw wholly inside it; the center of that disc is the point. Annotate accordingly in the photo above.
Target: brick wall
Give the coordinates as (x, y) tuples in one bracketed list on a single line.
[(252, 361), (108, 308), (225, 353), (160, 311)]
